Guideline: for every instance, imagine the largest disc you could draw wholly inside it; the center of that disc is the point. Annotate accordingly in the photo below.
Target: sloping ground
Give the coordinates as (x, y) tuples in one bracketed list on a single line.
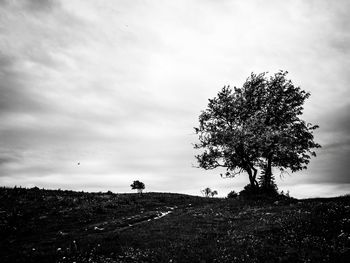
[(57, 226), (37, 225), (308, 231)]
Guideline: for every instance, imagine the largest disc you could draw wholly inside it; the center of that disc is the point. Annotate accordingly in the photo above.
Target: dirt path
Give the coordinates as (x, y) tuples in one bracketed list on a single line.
[(128, 222)]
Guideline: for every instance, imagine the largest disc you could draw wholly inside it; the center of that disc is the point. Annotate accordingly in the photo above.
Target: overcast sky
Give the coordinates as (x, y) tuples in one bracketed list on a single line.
[(118, 86)]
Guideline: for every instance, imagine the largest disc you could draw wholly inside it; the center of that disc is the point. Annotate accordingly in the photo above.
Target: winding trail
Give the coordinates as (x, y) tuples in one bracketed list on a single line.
[(159, 215), (131, 221)]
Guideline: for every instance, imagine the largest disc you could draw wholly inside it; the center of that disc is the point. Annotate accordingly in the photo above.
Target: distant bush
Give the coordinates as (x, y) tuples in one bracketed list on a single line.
[(252, 192), (248, 190), (207, 192), (232, 194), (286, 194), (213, 193)]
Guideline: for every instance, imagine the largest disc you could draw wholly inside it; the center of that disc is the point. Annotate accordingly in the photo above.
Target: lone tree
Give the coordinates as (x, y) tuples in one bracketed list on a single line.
[(138, 185), (256, 127)]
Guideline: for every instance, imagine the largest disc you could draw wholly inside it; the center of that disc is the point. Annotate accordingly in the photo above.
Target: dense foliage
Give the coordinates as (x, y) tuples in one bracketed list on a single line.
[(139, 186), (256, 127)]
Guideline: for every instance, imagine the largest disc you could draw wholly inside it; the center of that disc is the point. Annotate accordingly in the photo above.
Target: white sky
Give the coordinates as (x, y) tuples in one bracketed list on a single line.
[(118, 86)]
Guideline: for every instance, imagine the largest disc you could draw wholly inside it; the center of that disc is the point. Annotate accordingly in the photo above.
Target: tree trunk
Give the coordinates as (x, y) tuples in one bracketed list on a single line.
[(252, 177), (268, 173)]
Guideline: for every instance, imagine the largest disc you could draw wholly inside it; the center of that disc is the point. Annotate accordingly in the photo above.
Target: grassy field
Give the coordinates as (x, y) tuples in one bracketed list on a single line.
[(65, 226)]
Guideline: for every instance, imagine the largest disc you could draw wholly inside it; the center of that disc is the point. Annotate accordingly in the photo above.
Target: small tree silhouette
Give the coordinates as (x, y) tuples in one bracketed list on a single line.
[(207, 192), (139, 186), (213, 193)]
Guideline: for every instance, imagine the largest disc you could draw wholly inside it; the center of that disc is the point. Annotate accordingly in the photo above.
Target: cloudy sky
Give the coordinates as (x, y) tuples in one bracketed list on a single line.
[(118, 86)]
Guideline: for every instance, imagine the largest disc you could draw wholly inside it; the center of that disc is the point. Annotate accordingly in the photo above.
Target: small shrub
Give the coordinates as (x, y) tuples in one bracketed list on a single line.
[(256, 193), (249, 191), (232, 194), (206, 192), (213, 193)]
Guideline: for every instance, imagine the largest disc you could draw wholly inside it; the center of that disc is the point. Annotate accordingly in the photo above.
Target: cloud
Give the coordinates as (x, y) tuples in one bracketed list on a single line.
[(16, 95), (9, 158), (32, 5), (317, 190)]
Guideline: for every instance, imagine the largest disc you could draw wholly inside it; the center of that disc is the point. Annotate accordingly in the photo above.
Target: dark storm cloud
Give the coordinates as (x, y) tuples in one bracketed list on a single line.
[(16, 96), (9, 158), (41, 5), (31, 5), (335, 140), (338, 119)]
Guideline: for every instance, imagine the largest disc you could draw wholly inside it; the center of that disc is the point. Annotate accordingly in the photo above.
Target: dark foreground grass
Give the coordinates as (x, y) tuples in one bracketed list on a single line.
[(65, 226)]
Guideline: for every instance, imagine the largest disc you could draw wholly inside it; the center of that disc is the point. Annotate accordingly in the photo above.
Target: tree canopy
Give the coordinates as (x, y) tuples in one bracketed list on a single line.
[(256, 127), (139, 186)]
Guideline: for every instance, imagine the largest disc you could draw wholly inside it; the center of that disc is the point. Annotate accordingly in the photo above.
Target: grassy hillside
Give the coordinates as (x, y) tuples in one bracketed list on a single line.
[(65, 226)]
